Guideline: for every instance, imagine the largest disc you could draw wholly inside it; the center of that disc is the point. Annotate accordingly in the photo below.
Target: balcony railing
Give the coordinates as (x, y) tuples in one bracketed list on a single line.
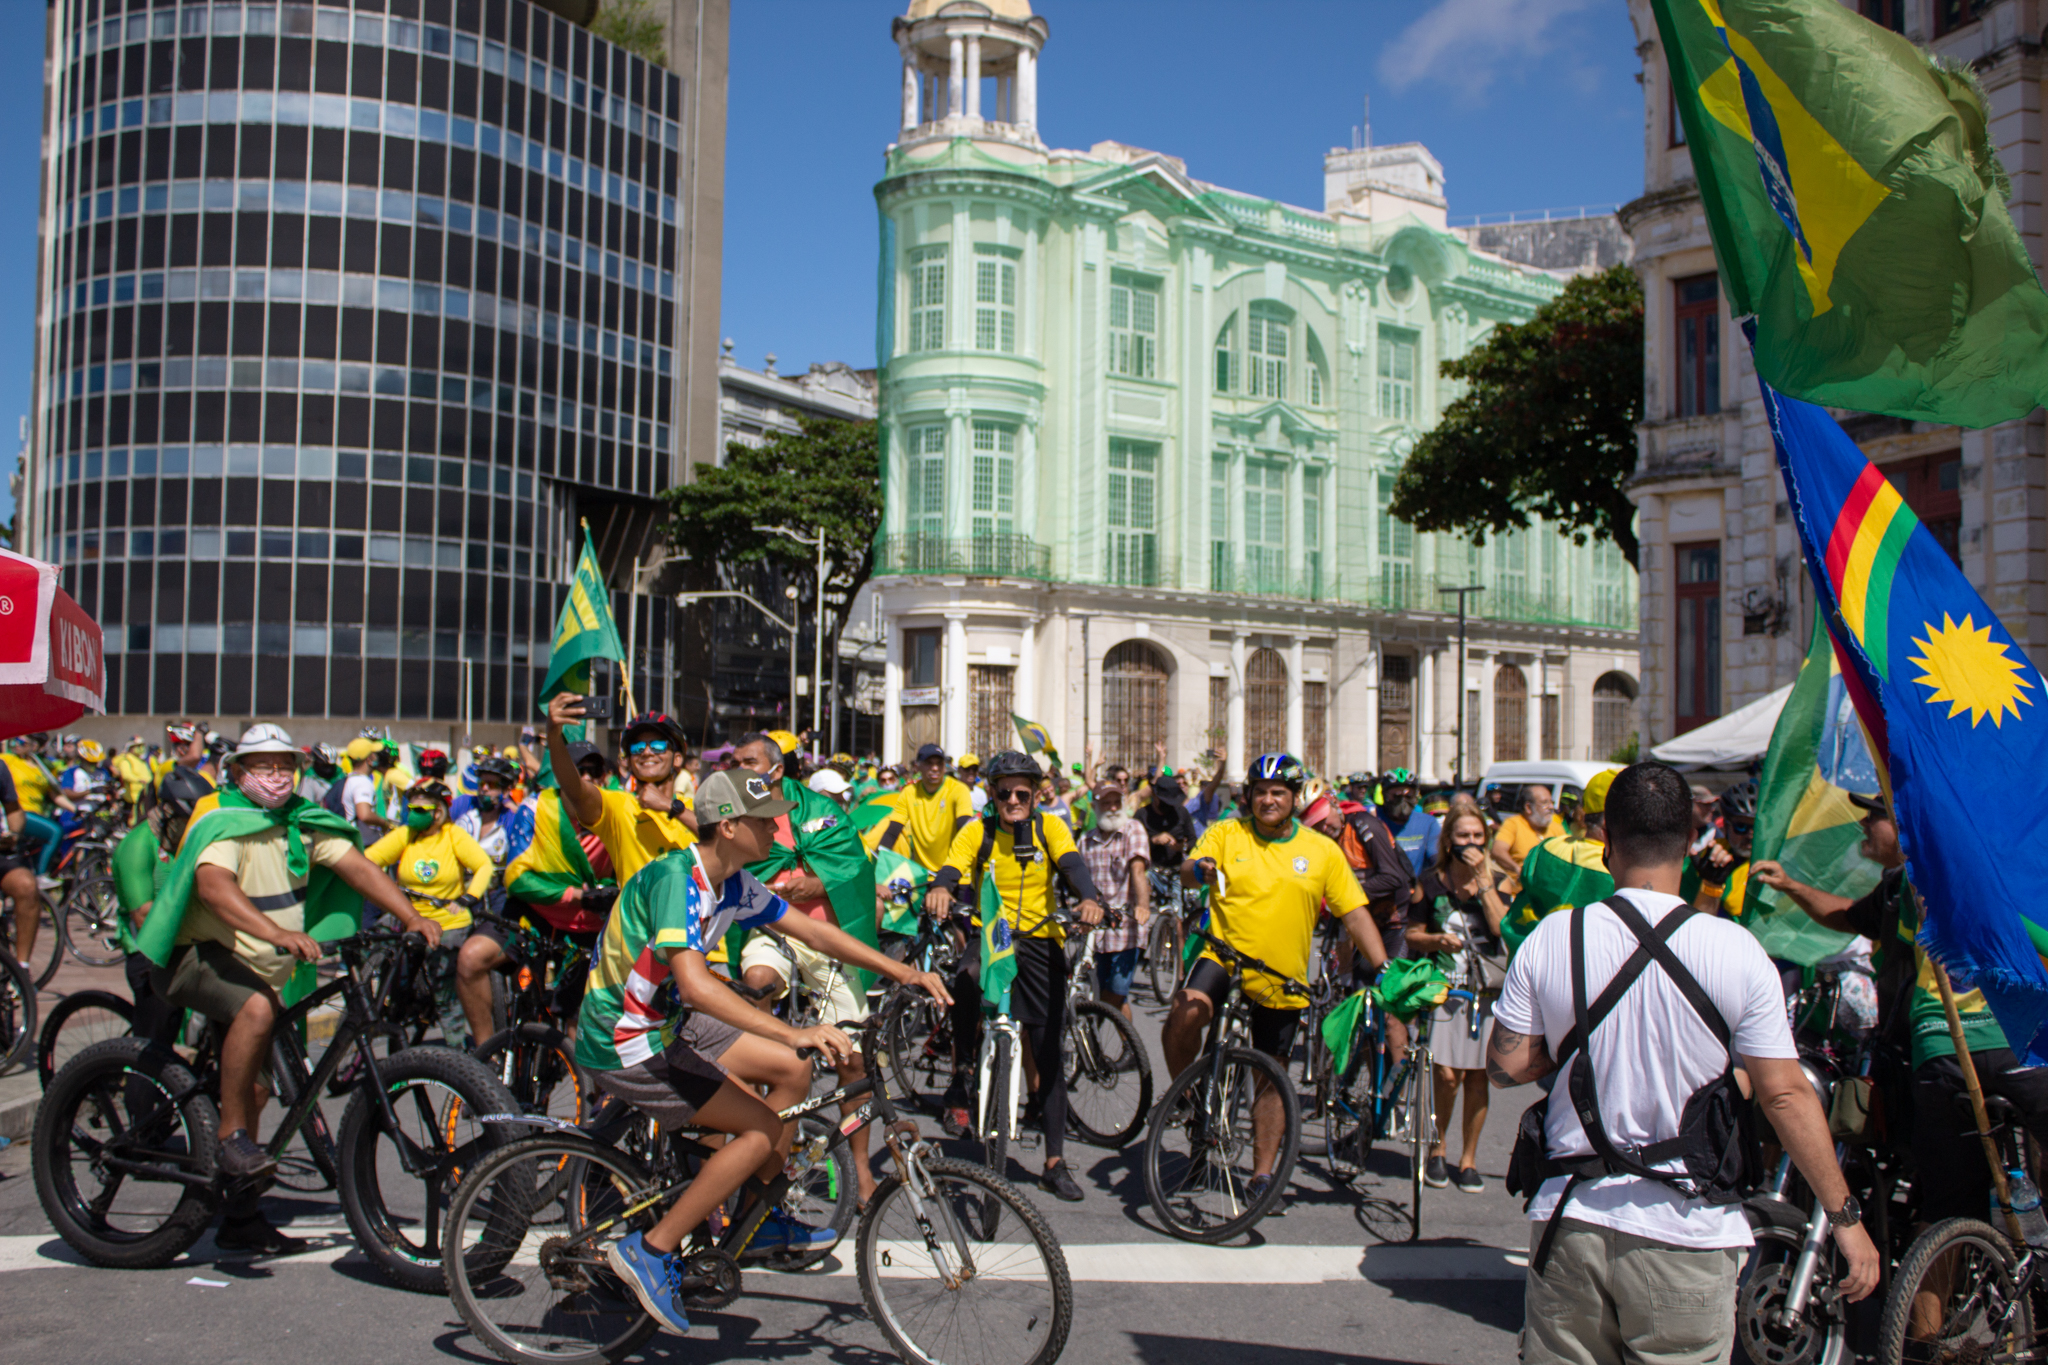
[(989, 556)]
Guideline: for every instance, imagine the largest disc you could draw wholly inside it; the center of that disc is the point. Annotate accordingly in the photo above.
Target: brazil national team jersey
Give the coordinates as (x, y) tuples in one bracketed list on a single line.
[(929, 820), (669, 904), (1273, 889), (1026, 888)]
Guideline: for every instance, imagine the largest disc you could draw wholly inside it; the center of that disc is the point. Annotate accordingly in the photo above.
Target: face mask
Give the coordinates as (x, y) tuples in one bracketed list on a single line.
[(487, 802), (1400, 810), (418, 821), (268, 789)]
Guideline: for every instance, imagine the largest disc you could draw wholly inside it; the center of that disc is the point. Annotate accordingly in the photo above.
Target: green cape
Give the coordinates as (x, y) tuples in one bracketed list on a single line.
[(827, 844)]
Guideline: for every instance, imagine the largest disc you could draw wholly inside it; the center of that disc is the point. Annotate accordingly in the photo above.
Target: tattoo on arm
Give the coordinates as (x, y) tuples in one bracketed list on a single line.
[(1505, 1043)]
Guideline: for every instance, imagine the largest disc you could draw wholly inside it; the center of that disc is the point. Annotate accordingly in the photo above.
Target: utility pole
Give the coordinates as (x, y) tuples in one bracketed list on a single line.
[(1458, 759)]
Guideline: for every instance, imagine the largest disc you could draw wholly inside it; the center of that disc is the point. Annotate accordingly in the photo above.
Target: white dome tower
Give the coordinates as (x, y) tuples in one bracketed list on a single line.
[(949, 47)]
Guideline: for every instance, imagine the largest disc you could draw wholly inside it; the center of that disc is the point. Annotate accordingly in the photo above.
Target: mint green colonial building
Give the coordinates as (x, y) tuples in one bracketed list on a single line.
[(1139, 436)]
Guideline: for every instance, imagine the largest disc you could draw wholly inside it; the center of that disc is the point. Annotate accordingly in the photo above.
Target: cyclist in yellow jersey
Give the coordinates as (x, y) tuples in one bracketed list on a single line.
[(1273, 876), (1012, 853), (930, 812), (637, 826)]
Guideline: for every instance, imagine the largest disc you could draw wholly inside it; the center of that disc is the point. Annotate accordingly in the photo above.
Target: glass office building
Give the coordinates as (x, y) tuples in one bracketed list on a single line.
[(347, 316)]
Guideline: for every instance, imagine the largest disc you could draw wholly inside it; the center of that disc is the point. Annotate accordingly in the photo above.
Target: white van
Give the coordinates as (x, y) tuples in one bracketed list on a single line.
[(1500, 790)]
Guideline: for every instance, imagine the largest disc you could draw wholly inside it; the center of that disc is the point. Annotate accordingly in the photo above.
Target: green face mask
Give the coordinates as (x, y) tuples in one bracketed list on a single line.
[(418, 821)]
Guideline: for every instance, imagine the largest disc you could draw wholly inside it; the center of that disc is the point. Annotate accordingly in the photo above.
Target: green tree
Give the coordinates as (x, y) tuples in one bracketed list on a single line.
[(1546, 426), (828, 475), (633, 25)]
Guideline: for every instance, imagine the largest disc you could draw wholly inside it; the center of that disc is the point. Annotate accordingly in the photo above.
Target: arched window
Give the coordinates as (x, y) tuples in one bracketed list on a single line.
[(1318, 369), (1614, 715), (1134, 693), (1265, 703), (1510, 715), (1226, 357)]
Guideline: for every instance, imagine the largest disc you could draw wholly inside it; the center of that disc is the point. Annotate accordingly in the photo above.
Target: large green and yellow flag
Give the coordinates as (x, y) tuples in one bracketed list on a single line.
[(585, 630), (1035, 738), (1858, 211)]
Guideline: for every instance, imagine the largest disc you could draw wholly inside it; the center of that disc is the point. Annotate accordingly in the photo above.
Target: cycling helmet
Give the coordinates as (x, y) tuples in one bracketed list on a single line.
[(1277, 768), (433, 763), (91, 751), (1398, 777), (324, 755), (498, 768), (1738, 803), (1010, 763), (1312, 791), (171, 809)]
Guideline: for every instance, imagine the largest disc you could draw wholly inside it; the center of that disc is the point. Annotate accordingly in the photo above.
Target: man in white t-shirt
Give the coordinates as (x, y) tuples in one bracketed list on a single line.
[(1637, 1271)]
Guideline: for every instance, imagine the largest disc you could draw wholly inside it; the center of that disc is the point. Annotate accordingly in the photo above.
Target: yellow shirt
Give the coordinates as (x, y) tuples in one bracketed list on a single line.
[(258, 862), (930, 820), (1522, 836), (31, 786), (635, 836), (1026, 888), (434, 864), (1272, 893)]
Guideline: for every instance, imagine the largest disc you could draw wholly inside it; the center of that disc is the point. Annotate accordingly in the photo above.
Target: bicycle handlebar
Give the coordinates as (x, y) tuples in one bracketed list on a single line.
[(1245, 961)]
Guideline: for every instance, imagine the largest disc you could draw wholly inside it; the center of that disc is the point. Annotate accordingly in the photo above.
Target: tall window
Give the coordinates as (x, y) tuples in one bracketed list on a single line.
[(1219, 711), (1697, 309), (926, 466), (995, 298), (1510, 715), (1312, 530), (1221, 573), (992, 689), (928, 298), (995, 479), (1397, 709), (1318, 370), (1396, 362), (1697, 698), (1134, 695), (1614, 709), (1397, 548), (1265, 702), (921, 658), (1226, 358), (1134, 329), (1950, 15), (1267, 354), (1889, 14), (1133, 512), (1265, 526), (1315, 724), (1932, 486), (1553, 710), (1511, 570)]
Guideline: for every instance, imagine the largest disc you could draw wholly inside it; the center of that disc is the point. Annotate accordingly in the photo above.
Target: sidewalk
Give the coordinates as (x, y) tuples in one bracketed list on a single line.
[(20, 1091)]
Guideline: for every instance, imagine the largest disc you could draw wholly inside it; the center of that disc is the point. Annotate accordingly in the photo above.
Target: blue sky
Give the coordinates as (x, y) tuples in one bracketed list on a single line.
[(1530, 104)]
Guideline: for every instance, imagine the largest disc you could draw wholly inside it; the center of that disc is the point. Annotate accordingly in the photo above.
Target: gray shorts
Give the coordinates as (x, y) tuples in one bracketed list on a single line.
[(672, 1087), (209, 980), (1609, 1296)]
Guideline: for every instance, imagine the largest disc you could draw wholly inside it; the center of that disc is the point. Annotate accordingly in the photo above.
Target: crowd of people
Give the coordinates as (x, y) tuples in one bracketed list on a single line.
[(756, 865)]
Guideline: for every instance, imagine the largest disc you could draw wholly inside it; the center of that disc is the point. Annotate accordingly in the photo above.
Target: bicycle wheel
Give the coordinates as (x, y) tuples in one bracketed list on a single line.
[(536, 1063), (920, 1050), (943, 1290), (438, 1098), (1419, 1101), (824, 1188), (17, 1014), (92, 919), (1954, 1298), (528, 1273), (1162, 964), (117, 1100), (1109, 1077), (77, 1022), (996, 1114), (49, 946), (311, 1164), (1199, 1147)]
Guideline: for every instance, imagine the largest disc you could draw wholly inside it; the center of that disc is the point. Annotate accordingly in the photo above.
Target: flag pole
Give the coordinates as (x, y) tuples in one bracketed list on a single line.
[(1976, 1089)]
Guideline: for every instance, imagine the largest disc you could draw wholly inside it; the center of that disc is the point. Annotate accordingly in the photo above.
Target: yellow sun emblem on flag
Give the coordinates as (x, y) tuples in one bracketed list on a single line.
[(1971, 672)]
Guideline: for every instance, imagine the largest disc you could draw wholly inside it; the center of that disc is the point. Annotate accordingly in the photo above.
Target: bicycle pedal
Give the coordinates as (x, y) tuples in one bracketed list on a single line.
[(1030, 1140)]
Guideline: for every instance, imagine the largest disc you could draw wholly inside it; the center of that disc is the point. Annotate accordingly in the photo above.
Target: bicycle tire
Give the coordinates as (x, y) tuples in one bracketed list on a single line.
[(49, 938), (919, 1050), (824, 1192), (91, 923), (17, 1014), (1162, 965), (1950, 1237), (996, 1117), (103, 1085), (320, 1168), (1183, 1109), (53, 1050), (1037, 1321), (1122, 1076), (1421, 1135), (492, 1217), (444, 1094)]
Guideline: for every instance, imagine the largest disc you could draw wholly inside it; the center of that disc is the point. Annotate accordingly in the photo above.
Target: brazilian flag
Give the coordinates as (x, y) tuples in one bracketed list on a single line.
[(584, 631), (891, 868), (998, 950), (1857, 209), (1035, 738)]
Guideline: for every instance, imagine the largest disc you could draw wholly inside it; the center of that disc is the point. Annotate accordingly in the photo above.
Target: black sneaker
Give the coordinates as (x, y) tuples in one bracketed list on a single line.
[(1434, 1175), (242, 1159), (255, 1234), (1255, 1190), (1058, 1181), (1469, 1180)]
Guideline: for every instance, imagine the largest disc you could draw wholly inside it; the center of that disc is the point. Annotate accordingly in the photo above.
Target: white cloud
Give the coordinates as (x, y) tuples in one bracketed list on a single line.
[(1465, 43)]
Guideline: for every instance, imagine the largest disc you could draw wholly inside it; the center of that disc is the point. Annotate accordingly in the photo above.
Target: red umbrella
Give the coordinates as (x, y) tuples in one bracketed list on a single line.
[(52, 669)]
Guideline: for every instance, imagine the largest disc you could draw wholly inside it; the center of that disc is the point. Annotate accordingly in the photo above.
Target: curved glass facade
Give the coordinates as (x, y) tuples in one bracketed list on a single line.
[(347, 314)]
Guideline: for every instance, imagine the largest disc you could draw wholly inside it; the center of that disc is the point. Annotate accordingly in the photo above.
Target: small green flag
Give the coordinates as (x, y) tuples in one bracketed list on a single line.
[(1858, 212), (998, 951), (1340, 1031), (584, 631), (1035, 737)]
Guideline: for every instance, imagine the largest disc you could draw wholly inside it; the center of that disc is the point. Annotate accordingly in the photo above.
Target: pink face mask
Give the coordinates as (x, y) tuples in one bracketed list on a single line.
[(268, 789)]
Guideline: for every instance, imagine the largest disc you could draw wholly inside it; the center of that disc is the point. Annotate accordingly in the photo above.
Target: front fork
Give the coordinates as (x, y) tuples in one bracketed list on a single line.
[(1799, 1288), (947, 1242), (1013, 1099)]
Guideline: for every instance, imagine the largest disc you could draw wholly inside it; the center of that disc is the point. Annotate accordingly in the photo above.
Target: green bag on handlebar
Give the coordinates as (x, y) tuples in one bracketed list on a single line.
[(1409, 986)]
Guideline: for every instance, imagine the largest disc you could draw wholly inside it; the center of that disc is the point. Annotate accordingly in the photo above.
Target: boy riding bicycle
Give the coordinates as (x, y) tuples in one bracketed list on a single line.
[(678, 907)]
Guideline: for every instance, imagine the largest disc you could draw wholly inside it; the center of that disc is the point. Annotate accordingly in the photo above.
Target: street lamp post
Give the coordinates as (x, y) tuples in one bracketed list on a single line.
[(817, 625), (1458, 759)]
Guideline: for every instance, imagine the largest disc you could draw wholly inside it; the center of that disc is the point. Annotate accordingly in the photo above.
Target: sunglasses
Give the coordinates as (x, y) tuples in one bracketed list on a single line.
[(1740, 829), (648, 746), (1018, 794)]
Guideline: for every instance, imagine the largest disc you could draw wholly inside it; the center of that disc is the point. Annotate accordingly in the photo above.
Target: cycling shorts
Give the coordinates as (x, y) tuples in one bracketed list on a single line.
[(1273, 1029)]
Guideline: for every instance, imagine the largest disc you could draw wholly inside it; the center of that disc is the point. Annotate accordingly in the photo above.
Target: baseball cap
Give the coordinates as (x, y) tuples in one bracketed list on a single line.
[(1870, 801), (583, 749), (361, 747), (656, 721), (1595, 800), (969, 761), (264, 739), (931, 751), (829, 782), (733, 792), (1103, 789)]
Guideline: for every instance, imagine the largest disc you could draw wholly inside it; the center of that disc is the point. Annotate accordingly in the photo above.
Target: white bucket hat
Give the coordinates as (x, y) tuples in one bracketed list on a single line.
[(264, 739), (828, 782)]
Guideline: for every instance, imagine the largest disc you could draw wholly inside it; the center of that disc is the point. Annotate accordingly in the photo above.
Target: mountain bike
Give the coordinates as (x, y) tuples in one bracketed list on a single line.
[(532, 1053), (942, 1278), (1199, 1145), (126, 1148), (919, 1048), (1174, 908), (1109, 1073), (17, 1013), (75, 1023)]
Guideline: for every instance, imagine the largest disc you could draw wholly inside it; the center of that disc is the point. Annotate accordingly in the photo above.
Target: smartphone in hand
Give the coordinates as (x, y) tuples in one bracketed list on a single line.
[(597, 708)]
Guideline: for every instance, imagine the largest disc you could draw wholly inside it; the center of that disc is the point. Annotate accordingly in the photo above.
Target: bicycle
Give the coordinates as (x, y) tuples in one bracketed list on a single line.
[(128, 1118), (532, 1053), (942, 1279), (1109, 1073), (919, 1049), (75, 1023), (1174, 908), (17, 1012), (1201, 1193)]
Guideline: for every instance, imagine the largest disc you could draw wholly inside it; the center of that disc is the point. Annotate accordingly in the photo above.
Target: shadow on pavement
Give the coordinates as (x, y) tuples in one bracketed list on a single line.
[(1154, 1348)]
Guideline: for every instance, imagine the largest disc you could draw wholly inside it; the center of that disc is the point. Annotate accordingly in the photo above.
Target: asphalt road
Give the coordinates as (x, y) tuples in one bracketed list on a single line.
[(1320, 1284)]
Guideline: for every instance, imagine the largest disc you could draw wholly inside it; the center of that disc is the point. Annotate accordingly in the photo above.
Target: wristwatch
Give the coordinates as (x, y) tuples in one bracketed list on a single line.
[(1847, 1216)]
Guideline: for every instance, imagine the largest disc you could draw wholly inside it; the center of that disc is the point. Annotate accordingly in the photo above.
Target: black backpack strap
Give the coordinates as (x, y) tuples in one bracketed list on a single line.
[(1658, 942), (1610, 995)]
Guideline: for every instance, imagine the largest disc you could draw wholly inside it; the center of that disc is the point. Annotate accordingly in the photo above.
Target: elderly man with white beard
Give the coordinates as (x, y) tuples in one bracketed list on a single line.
[(1118, 851)]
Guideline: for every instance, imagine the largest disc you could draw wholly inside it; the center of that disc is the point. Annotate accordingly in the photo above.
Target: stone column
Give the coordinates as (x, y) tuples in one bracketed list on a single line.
[(974, 76), (954, 716), (1026, 98), (1297, 729), (1025, 692), (892, 692), (956, 57), (1369, 680), (1233, 726), (1425, 713), (1534, 723), (911, 80)]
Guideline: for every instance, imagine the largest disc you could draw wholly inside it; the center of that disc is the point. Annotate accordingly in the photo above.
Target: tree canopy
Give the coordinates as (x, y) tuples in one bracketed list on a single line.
[(1546, 426), (828, 475)]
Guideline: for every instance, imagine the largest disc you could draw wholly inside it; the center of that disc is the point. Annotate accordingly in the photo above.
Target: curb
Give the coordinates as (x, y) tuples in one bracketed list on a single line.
[(20, 1095)]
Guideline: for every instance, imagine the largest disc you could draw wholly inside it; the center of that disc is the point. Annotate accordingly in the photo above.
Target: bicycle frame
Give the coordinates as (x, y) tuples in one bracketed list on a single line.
[(999, 1032)]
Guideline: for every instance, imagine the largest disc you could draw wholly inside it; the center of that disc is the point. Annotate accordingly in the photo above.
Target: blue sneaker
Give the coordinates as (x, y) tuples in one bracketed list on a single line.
[(779, 1233), (655, 1280)]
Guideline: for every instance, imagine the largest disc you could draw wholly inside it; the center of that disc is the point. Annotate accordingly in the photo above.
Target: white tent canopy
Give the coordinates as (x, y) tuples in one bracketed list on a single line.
[(1730, 742)]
